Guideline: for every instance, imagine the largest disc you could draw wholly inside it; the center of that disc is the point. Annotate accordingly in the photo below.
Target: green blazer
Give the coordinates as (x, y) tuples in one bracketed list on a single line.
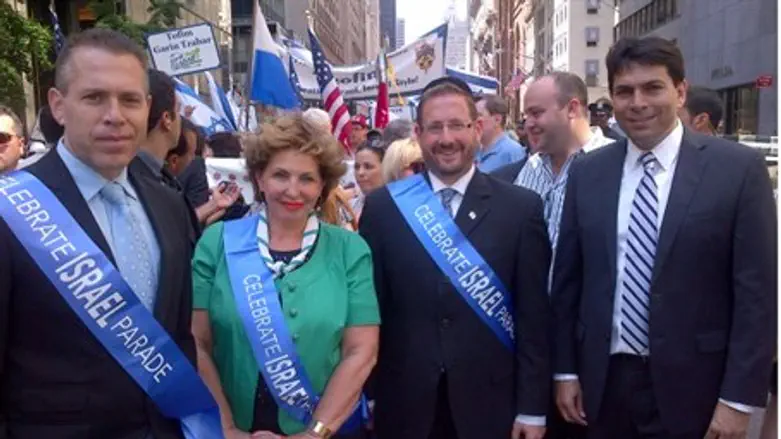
[(333, 290)]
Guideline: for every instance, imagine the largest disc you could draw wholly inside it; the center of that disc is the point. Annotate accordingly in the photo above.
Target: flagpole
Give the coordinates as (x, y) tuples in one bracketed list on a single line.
[(250, 77)]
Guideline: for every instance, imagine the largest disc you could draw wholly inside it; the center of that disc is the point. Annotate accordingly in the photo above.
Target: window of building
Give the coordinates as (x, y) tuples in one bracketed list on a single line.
[(741, 105), (592, 36), (592, 72), (592, 6)]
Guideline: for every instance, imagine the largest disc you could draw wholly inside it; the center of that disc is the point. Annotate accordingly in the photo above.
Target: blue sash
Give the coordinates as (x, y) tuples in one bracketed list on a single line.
[(103, 301), (474, 279), (257, 302)]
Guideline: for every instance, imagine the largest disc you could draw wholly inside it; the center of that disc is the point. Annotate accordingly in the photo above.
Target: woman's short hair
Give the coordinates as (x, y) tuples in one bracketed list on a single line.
[(400, 155), (294, 132)]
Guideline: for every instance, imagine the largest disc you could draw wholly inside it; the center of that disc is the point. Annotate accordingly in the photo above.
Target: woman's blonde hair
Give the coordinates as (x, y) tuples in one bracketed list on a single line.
[(294, 132), (399, 156)]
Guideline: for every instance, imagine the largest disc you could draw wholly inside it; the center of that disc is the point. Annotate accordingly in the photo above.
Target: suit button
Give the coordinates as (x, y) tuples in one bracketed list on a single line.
[(444, 323), (291, 288), (293, 312), (295, 337)]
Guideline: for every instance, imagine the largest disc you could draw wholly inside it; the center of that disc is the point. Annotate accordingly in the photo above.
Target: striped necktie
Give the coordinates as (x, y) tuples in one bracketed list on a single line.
[(447, 195), (640, 255)]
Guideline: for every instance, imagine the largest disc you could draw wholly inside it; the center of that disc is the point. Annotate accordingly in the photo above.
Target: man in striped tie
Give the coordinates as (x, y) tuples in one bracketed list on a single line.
[(664, 283)]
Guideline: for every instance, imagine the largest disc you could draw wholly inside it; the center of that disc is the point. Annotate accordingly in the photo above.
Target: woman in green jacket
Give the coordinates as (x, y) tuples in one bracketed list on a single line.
[(320, 281)]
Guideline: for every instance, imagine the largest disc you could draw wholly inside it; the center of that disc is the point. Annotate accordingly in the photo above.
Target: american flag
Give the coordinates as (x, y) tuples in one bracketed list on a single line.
[(516, 81), (59, 38), (381, 113), (294, 81), (331, 95)]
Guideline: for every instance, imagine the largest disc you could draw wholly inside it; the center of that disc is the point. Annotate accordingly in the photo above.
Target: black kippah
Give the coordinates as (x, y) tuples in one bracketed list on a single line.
[(448, 80)]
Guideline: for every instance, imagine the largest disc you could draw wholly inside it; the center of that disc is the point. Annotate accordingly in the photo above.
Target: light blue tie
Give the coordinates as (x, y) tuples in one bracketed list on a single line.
[(640, 256), (447, 195), (131, 250)]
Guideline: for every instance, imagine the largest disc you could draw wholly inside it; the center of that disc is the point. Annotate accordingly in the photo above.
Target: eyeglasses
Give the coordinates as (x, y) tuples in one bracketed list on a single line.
[(417, 167), (438, 128), (6, 137)]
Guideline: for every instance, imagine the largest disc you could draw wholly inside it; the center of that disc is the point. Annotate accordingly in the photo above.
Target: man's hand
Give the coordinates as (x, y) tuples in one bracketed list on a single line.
[(225, 198), (523, 431), (728, 423), (188, 111), (569, 400), (218, 204)]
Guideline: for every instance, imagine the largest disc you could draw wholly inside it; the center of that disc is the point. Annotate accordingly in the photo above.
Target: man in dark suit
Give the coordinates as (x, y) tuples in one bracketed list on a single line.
[(442, 373), (56, 379), (664, 285)]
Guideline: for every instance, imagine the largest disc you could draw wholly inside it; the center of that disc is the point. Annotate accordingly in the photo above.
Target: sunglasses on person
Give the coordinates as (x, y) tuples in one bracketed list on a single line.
[(6, 137)]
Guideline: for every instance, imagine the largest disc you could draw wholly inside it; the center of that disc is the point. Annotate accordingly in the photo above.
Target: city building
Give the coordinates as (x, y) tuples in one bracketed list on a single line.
[(739, 61), (457, 35), (575, 36), (346, 29), (400, 32), (388, 22), (501, 45), (482, 40), (373, 39), (76, 15)]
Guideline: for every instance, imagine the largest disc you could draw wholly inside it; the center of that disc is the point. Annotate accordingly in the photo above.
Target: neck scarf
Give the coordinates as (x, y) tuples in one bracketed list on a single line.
[(280, 268)]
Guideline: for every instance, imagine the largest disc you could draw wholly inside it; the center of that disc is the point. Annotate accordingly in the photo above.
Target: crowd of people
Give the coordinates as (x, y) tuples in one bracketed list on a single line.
[(602, 271)]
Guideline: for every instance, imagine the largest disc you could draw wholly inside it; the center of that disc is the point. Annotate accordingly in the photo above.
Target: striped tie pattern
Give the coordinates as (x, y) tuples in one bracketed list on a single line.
[(447, 195), (640, 255)]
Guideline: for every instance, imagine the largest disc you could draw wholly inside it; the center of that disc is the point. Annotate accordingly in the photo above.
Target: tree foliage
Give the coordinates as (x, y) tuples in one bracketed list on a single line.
[(23, 42), (163, 15)]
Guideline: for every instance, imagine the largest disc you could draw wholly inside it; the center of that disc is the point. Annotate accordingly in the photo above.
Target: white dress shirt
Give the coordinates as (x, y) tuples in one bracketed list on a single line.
[(460, 187), (666, 153)]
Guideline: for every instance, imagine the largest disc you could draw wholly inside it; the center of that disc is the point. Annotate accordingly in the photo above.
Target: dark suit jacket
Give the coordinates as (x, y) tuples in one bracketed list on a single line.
[(165, 178), (508, 173), (713, 292), (194, 182), (56, 379), (428, 330)]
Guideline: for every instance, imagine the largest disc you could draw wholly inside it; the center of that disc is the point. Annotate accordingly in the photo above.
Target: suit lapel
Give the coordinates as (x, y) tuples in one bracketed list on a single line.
[(475, 204), (610, 186), (156, 207), (688, 173), (53, 173)]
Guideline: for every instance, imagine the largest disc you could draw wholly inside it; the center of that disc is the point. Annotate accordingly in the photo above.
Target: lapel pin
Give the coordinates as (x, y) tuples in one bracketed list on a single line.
[(472, 215)]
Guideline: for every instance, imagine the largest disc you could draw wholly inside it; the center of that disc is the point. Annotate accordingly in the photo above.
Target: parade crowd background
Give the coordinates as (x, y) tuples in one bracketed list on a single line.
[(668, 331)]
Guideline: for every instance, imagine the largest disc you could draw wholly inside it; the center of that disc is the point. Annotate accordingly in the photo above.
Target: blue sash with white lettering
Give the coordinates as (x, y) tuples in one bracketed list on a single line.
[(257, 302), (108, 307), (472, 277)]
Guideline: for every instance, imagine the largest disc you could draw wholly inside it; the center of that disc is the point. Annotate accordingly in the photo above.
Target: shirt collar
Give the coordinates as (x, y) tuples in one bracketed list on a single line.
[(597, 140), (666, 151), (459, 186), (87, 179), (154, 163)]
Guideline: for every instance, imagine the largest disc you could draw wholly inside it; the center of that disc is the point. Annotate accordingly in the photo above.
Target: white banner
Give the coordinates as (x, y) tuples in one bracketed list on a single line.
[(415, 65), (228, 170), (184, 50)]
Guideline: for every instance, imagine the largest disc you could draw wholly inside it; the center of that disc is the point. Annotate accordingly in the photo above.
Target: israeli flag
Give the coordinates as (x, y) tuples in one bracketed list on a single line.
[(203, 115), (220, 102), (270, 81)]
